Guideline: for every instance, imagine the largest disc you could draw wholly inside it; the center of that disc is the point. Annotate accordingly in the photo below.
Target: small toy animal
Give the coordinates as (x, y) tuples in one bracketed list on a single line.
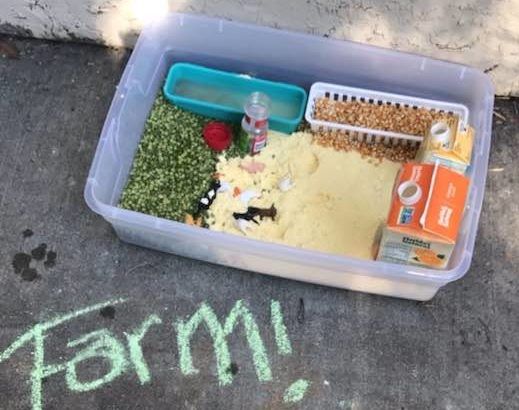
[(286, 184), (242, 225), (191, 220), (245, 217), (249, 195), (209, 197), (263, 212), (224, 187), (253, 167), (253, 212)]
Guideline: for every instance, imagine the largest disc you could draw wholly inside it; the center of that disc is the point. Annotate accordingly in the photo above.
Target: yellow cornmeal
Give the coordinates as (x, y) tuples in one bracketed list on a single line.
[(336, 205)]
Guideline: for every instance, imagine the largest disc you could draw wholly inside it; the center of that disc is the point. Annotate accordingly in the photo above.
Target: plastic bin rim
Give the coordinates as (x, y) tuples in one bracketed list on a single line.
[(309, 256), (182, 17), (221, 22)]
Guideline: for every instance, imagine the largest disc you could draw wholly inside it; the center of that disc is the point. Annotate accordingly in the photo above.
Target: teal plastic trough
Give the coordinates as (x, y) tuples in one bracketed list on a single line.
[(222, 95)]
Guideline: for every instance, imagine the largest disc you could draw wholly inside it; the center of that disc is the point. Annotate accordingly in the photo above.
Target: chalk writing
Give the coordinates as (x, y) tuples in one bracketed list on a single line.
[(185, 331), (134, 344), (37, 335), (105, 346), (126, 354), (296, 391), (280, 330)]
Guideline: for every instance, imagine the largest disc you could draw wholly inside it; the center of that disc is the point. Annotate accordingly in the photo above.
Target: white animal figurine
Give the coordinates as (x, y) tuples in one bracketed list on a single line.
[(242, 225), (249, 195), (286, 184), (224, 187)]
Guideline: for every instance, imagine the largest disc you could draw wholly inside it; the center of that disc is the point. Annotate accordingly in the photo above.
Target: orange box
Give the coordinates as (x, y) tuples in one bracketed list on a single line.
[(425, 216)]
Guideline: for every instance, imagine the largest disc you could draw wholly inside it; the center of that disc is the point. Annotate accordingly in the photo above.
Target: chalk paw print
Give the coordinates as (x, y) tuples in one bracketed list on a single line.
[(26, 264)]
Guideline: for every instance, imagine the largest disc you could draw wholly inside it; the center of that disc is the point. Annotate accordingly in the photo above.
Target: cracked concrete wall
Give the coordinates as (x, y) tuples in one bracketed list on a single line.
[(480, 33)]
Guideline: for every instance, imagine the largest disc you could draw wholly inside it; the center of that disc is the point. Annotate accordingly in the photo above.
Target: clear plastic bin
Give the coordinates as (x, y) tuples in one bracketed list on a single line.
[(301, 60)]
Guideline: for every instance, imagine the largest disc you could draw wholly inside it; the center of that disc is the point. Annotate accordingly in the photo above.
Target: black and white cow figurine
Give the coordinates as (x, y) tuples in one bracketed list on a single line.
[(207, 200)]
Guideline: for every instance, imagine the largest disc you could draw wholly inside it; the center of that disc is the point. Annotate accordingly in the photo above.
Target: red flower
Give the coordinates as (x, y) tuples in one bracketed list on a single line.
[(218, 136)]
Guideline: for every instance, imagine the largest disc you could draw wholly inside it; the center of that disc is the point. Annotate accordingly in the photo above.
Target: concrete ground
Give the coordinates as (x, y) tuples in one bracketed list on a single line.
[(357, 351)]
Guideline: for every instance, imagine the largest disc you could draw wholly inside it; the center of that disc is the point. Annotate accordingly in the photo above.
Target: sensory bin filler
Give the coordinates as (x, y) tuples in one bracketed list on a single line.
[(365, 174)]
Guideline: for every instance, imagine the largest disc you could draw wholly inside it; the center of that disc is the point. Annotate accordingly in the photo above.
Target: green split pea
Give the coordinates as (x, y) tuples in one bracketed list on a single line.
[(173, 166)]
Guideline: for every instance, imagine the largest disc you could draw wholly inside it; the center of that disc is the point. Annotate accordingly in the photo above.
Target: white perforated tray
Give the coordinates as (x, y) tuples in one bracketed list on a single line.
[(343, 93)]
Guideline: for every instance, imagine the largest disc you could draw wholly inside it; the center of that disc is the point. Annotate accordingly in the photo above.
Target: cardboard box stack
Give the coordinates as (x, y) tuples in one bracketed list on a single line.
[(429, 199)]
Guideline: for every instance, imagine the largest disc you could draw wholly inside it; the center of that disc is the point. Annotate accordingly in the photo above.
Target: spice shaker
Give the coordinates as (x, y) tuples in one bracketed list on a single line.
[(255, 121)]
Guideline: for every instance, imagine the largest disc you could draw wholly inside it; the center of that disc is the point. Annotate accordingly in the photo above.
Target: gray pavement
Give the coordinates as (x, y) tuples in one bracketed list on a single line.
[(357, 351)]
